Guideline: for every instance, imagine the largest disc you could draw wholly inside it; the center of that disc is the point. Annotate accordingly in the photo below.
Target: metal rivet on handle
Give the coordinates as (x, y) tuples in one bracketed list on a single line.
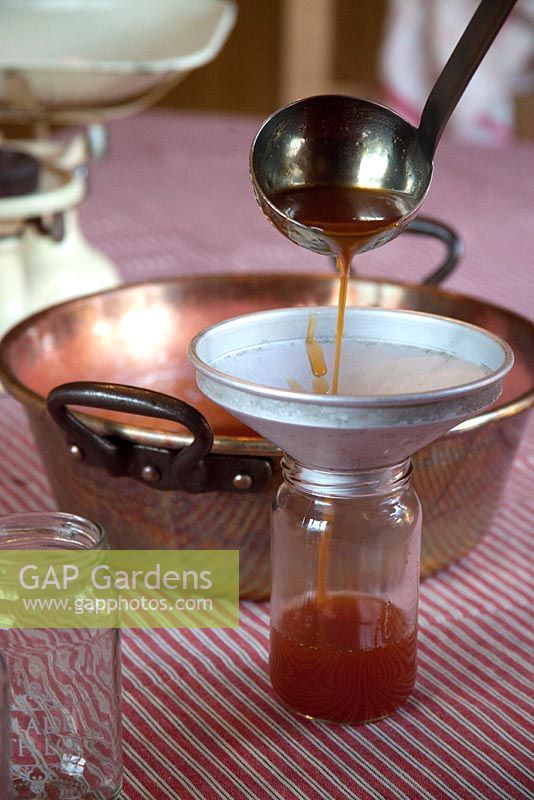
[(150, 474), (76, 452), (242, 481)]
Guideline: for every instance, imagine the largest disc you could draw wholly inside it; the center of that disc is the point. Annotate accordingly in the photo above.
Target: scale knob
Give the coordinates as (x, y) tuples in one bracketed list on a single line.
[(19, 173)]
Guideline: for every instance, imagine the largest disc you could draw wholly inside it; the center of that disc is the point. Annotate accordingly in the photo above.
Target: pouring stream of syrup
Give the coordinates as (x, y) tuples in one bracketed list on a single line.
[(349, 217)]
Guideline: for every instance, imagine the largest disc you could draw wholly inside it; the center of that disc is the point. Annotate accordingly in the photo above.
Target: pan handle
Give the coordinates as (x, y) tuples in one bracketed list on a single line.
[(191, 469), (162, 468), (427, 226)]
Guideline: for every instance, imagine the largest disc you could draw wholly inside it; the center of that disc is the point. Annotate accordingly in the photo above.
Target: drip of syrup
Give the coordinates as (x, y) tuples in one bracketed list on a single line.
[(316, 358)]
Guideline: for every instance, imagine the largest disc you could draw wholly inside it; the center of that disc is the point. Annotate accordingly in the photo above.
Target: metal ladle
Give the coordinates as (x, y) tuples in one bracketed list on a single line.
[(341, 141)]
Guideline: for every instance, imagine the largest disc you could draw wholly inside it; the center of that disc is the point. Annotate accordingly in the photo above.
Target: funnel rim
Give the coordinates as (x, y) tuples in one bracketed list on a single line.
[(350, 400)]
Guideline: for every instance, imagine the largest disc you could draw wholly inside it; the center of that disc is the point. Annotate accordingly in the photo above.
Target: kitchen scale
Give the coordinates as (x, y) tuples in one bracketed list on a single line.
[(79, 64)]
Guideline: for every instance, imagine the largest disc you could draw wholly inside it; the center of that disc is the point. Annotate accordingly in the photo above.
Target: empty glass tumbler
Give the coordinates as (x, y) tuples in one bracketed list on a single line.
[(64, 685)]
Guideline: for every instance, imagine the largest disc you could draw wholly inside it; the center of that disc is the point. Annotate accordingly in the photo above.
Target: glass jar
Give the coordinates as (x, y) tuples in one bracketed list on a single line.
[(65, 701), (344, 592), (5, 735)]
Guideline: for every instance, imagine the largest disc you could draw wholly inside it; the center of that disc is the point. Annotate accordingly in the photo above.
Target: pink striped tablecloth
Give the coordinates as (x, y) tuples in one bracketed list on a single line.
[(200, 720)]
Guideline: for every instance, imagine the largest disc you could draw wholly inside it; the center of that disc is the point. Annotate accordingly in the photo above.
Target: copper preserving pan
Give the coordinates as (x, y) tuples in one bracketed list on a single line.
[(153, 483)]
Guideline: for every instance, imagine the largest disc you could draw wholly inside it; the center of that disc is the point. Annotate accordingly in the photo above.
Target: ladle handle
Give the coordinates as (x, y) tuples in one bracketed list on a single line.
[(460, 68)]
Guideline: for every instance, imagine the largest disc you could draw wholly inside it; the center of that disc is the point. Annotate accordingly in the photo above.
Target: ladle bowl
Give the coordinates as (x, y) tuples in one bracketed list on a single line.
[(335, 140)]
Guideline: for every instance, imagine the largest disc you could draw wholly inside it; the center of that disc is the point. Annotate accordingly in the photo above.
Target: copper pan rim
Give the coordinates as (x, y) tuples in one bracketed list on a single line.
[(239, 444)]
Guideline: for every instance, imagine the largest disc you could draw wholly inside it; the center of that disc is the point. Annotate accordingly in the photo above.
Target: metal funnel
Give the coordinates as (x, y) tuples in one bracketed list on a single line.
[(406, 378)]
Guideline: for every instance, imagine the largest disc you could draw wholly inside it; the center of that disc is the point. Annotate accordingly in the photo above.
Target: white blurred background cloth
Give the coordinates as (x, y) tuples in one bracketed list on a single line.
[(419, 37)]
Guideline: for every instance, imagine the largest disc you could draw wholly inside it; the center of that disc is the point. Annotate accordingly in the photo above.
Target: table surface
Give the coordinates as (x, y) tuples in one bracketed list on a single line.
[(200, 720)]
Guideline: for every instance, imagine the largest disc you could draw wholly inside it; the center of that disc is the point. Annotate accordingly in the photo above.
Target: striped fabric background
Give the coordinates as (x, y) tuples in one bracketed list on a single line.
[(200, 720)]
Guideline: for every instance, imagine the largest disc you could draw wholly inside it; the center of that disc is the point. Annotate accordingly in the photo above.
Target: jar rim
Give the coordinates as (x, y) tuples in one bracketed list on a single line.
[(50, 530)]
